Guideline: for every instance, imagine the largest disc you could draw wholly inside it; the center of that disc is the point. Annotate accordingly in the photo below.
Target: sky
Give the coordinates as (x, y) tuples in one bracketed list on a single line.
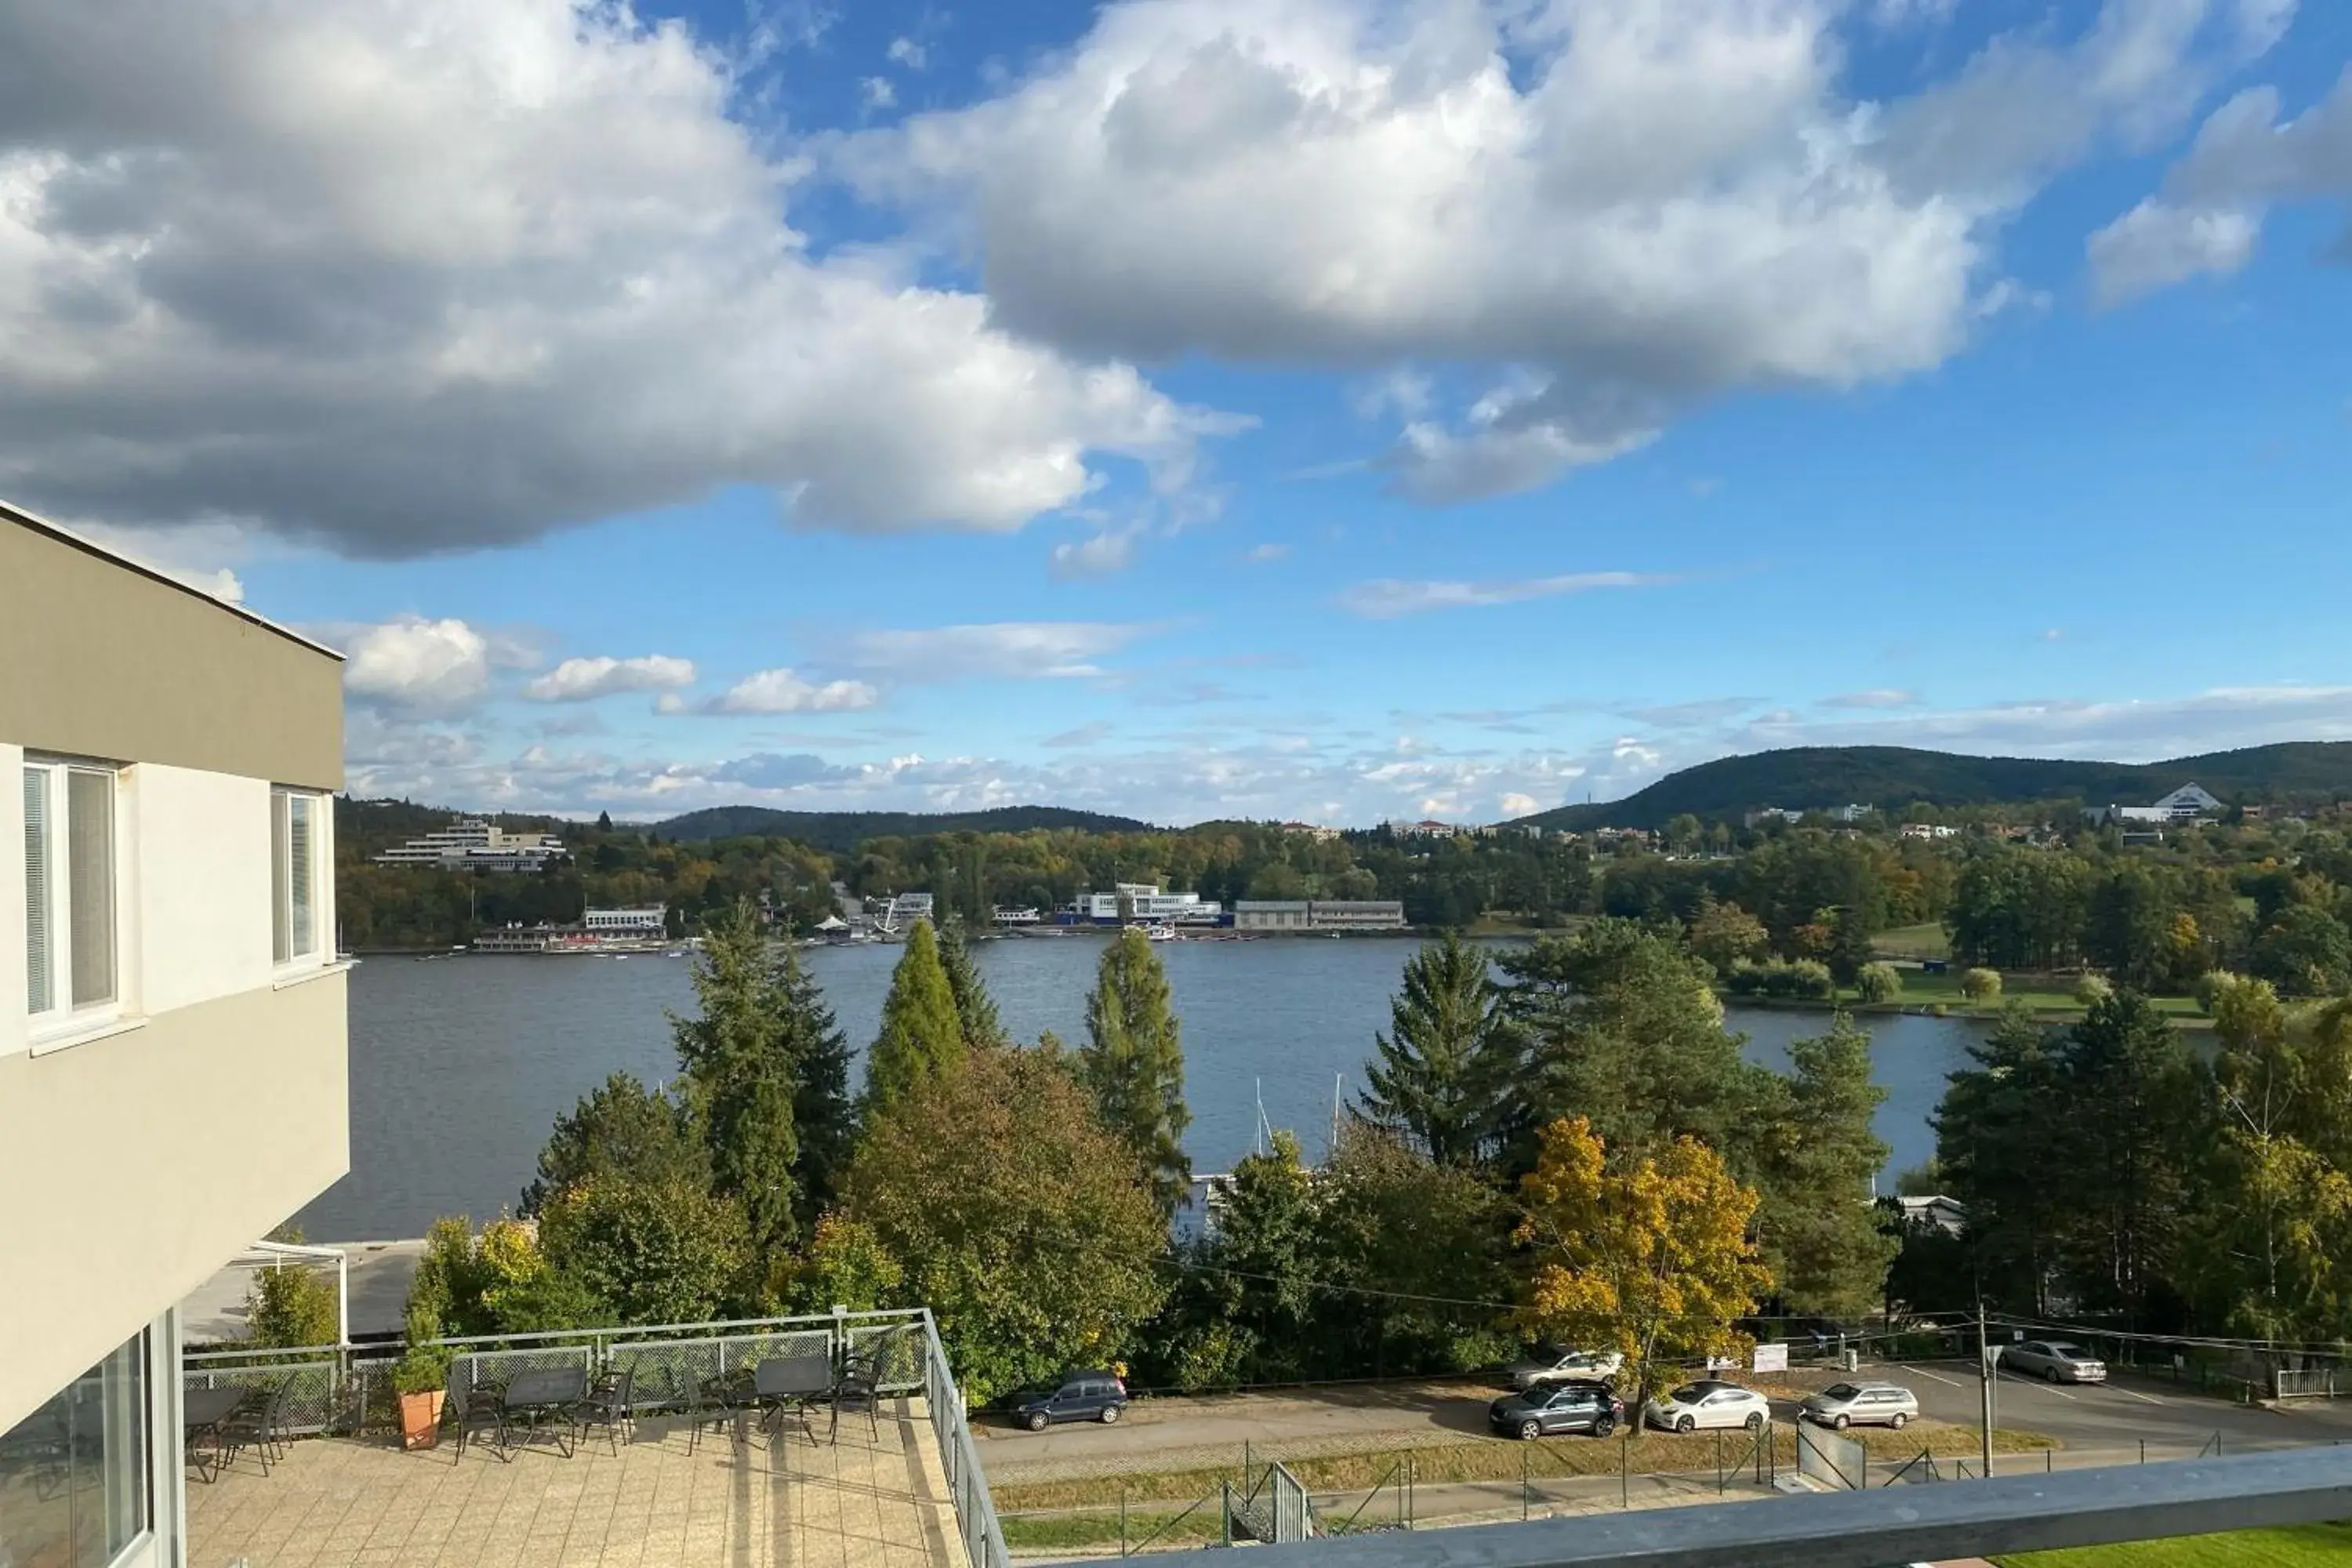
[(1323, 409)]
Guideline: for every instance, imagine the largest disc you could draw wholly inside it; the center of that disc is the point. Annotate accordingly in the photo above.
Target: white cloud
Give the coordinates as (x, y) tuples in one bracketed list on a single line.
[(878, 92), (1387, 597), (191, 554), (420, 666), (907, 52), (2210, 211), (1004, 650), (1111, 550), (1517, 805), (1261, 554), (783, 691), (1631, 205), (406, 275), (1876, 697), (581, 679)]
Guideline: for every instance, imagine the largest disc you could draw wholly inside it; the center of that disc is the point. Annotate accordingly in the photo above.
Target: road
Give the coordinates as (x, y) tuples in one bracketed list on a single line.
[(2111, 1420)]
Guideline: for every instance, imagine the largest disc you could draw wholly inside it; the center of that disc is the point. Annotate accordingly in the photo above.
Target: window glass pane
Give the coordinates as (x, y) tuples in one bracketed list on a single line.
[(281, 947), (299, 918), (40, 986), (90, 876), (73, 1474)]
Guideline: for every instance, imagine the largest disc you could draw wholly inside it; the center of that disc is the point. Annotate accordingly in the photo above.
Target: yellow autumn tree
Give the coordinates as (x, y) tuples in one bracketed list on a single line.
[(1648, 1256)]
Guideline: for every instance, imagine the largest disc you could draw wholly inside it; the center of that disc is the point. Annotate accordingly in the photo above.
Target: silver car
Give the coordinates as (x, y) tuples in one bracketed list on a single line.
[(1566, 1364), (1844, 1405), (2059, 1361)]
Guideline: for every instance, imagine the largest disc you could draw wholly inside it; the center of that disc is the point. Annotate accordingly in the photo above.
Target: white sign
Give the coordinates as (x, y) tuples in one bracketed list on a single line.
[(1770, 1358)]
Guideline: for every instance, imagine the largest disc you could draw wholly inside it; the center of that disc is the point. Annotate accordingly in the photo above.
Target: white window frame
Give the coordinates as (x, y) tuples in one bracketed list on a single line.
[(322, 951), (61, 1020)]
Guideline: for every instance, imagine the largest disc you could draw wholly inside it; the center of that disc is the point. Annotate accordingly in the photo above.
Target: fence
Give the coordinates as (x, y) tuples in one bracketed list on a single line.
[(1839, 1463), (347, 1389), (2313, 1382)]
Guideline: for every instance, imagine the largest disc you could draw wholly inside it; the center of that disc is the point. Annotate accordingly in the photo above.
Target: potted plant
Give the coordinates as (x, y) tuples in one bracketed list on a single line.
[(419, 1378)]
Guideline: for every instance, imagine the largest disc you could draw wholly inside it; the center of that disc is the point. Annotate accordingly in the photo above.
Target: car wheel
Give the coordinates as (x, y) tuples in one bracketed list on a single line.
[(1684, 1424), (1110, 1415), (1605, 1426), (1839, 1422), (2051, 1372), (1529, 1431), (1896, 1420), (1035, 1421), (1755, 1421)]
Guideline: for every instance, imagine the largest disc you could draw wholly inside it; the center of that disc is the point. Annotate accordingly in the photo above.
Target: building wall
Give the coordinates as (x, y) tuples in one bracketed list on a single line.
[(99, 660), (137, 1164)]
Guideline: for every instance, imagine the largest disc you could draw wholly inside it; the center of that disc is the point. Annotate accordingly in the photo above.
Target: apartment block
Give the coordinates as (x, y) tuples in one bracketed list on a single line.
[(172, 1011)]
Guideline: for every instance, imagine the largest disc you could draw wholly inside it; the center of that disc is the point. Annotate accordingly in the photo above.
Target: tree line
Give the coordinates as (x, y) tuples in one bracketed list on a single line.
[(1559, 1142)]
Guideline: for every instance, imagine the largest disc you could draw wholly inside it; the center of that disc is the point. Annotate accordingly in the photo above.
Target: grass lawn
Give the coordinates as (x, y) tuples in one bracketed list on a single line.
[(1490, 1459), (1928, 940), (2310, 1543)]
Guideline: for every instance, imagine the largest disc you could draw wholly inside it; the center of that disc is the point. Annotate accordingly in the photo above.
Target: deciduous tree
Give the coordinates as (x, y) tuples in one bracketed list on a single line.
[(619, 1128), (1016, 1215), (651, 1253), (1648, 1254)]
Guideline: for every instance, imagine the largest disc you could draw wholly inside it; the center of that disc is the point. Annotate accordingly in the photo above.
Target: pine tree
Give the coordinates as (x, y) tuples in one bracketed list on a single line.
[(975, 1009), (742, 1072), (1134, 1062), (922, 1033), (824, 1115), (1442, 1073), (1821, 1233)]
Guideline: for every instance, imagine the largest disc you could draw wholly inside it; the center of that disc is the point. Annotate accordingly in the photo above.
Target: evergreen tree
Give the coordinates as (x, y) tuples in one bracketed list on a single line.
[(1133, 1061), (742, 1072), (975, 1009), (1443, 1072), (619, 1129), (922, 1033), (1998, 1136), (824, 1115), (1821, 1233), (2129, 1101)]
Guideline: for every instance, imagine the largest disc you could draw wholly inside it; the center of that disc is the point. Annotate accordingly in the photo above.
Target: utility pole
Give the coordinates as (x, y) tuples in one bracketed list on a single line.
[(1984, 1390)]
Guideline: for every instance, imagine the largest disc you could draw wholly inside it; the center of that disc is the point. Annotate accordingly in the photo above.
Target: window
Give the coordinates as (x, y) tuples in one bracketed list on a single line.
[(74, 1473), (70, 911), (295, 867)]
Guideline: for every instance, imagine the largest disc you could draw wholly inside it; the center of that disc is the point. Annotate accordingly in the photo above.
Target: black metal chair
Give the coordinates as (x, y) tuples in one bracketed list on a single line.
[(703, 1401), (607, 1406), (855, 1388), (258, 1424), (472, 1410)]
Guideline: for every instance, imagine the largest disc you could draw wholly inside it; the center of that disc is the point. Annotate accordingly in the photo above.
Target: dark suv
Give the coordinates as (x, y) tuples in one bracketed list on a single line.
[(1583, 1404), (1083, 1396)]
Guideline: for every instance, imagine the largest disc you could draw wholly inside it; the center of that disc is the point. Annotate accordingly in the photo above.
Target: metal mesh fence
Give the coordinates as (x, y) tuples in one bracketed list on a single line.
[(666, 1370), (496, 1369), (312, 1402), (897, 1353)]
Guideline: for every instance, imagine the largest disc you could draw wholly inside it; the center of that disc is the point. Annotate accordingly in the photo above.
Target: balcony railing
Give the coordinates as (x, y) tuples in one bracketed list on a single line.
[(347, 1389)]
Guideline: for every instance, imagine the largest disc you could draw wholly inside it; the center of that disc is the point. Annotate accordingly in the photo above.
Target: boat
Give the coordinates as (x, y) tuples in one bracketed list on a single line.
[(1162, 933)]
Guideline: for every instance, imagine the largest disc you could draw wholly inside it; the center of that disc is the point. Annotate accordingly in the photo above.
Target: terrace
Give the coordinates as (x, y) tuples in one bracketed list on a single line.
[(901, 1490)]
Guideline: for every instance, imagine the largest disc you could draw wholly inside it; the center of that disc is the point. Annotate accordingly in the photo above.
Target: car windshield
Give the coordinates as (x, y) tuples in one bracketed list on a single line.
[(1690, 1393), (1840, 1391)]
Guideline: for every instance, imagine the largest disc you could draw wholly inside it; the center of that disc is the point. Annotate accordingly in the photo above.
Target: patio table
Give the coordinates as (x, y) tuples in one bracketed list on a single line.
[(791, 1381), (531, 1397)]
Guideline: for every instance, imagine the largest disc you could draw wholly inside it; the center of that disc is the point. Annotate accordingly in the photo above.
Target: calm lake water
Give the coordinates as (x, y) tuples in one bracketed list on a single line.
[(460, 1064)]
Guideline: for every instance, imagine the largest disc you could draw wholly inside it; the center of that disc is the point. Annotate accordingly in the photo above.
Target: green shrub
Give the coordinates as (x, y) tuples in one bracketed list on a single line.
[(1876, 983), (1980, 984), (293, 1305), (2093, 989)]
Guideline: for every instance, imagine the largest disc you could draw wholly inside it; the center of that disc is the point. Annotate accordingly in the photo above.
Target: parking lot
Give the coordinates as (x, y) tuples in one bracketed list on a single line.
[(2092, 1422)]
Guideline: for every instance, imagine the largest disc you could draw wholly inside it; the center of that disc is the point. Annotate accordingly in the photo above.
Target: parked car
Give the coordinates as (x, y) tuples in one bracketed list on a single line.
[(1552, 1363), (1081, 1396), (1710, 1401), (1580, 1404), (2060, 1360), (1844, 1405)]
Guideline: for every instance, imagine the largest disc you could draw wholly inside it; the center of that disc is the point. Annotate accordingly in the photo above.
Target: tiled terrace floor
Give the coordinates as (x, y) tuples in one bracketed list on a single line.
[(866, 1502)]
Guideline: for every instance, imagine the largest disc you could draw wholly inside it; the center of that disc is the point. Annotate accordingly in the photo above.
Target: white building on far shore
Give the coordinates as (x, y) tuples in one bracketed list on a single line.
[(473, 843)]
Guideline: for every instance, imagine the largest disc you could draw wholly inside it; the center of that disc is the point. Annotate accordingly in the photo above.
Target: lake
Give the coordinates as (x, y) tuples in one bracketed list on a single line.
[(460, 1064)]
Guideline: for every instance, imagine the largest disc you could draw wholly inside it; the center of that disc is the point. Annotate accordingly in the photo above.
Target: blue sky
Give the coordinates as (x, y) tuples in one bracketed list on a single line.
[(1322, 408)]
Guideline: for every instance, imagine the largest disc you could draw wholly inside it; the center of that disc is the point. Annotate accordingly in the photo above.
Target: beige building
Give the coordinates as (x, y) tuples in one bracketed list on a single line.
[(171, 1028)]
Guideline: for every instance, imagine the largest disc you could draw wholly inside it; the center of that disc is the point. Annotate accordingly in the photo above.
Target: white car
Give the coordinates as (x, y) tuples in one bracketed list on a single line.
[(1601, 1364), (2056, 1360), (1708, 1403)]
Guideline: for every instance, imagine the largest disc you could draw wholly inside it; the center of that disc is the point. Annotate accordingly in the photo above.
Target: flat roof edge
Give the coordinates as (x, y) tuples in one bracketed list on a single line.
[(11, 513)]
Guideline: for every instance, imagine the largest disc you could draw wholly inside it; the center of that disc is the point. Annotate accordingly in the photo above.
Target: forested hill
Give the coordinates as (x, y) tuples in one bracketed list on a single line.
[(1892, 777), (840, 832)]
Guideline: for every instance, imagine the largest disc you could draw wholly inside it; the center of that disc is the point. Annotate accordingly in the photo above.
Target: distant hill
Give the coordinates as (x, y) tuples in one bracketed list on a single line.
[(1891, 777), (841, 831)]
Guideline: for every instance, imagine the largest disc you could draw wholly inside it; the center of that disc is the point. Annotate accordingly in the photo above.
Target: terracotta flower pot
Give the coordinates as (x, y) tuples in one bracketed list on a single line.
[(420, 1419)]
